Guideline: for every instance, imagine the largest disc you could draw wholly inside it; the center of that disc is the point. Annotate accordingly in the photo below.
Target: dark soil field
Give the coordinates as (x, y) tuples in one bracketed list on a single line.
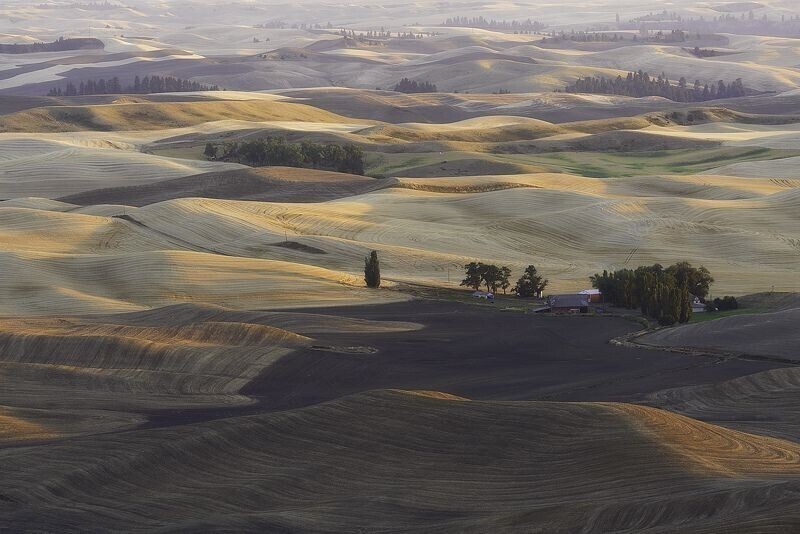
[(476, 352), (268, 184), (458, 426), (482, 353)]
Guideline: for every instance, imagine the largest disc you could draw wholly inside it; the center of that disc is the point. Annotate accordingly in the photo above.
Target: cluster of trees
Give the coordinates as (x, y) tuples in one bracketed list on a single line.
[(674, 36), (285, 55), (516, 26), (59, 45), (369, 34), (146, 85), (276, 151), (639, 84), (411, 35), (477, 274), (722, 304), (703, 52), (531, 283), (494, 277), (664, 295), (412, 86)]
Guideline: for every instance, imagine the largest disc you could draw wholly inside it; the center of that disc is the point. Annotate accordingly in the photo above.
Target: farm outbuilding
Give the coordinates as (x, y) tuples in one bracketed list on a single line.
[(571, 303), (594, 295), (698, 306)]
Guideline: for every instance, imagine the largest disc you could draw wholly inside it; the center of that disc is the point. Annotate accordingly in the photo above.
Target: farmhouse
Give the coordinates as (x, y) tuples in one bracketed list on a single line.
[(571, 303)]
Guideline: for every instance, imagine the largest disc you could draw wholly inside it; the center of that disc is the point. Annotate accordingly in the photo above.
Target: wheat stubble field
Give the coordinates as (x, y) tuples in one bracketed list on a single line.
[(186, 339)]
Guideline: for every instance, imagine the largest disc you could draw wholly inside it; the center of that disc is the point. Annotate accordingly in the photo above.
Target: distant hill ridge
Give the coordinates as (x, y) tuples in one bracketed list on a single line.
[(59, 45)]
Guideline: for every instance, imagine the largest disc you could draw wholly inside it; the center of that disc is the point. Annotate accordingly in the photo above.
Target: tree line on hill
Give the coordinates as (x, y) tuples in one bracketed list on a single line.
[(582, 37), (282, 25), (272, 150), (639, 84), (412, 86), (750, 24), (98, 6), (383, 34), (477, 274), (140, 86), (517, 26), (703, 52), (658, 17), (674, 36), (59, 45)]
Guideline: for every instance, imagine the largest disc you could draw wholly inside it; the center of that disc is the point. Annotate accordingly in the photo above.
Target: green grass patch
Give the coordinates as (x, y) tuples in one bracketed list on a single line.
[(711, 316), (684, 161), (589, 164), (393, 164)]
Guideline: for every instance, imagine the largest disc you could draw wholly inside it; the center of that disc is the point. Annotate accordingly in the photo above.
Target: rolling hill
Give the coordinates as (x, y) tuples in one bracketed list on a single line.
[(187, 344), (445, 475)]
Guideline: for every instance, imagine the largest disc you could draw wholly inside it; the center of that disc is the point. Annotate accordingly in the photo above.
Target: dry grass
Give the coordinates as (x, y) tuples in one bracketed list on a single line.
[(41, 283), (570, 227), (223, 251), (114, 369), (157, 115), (490, 129), (74, 170)]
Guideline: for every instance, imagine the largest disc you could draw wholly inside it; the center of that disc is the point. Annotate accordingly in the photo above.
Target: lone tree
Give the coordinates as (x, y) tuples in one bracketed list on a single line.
[(531, 283), (372, 270), (211, 151)]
